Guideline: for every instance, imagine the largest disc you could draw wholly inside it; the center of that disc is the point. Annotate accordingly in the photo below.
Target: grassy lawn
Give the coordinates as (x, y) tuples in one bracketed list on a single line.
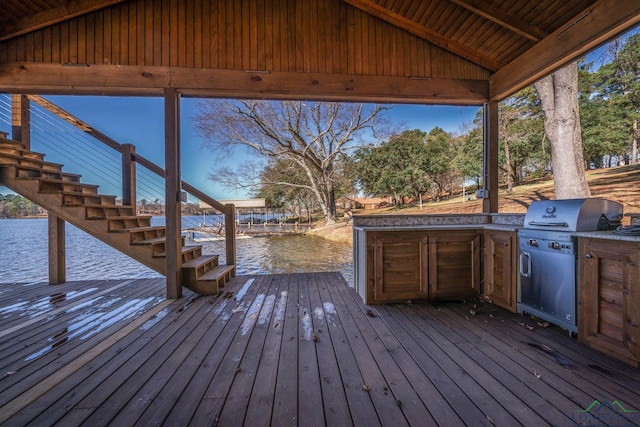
[(621, 184)]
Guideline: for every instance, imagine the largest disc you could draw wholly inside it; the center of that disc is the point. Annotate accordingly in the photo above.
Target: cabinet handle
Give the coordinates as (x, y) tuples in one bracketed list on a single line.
[(588, 256)]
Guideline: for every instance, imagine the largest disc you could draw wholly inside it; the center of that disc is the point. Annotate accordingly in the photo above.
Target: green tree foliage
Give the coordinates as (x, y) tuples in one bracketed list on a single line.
[(16, 206), (396, 168), (440, 162), (612, 100)]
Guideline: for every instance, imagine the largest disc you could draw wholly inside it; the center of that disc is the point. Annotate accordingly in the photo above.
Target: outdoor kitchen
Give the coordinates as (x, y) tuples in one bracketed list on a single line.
[(569, 263)]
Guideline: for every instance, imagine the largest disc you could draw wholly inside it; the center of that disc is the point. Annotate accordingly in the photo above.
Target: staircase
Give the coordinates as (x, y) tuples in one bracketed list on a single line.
[(28, 174)]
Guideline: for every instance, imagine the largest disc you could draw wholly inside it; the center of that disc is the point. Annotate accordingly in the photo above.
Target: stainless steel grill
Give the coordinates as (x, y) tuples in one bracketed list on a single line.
[(547, 280)]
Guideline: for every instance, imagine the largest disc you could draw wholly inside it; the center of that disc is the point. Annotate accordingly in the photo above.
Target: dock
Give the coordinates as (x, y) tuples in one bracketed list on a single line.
[(286, 350)]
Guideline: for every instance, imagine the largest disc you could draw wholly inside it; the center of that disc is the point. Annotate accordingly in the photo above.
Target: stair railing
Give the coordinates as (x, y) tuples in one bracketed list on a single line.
[(129, 160)]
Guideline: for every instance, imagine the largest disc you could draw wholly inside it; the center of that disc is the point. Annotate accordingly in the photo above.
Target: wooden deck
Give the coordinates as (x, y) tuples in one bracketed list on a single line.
[(286, 350)]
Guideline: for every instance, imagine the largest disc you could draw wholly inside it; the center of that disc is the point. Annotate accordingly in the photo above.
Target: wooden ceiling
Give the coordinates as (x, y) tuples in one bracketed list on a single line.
[(432, 51)]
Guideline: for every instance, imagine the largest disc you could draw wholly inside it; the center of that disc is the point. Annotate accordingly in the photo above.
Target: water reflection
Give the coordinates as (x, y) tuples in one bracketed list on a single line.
[(88, 258)]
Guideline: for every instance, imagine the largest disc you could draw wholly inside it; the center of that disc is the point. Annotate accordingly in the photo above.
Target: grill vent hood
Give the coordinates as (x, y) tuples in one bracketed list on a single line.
[(573, 215)]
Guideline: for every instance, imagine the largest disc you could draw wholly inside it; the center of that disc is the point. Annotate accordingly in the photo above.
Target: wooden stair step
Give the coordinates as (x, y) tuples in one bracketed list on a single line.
[(218, 273), (203, 260), (21, 153), (32, 172), (143, 233), (50, 185), (211, 281), (12, 143), (127, 222), (96, 211), (188, 251), (74, 198)]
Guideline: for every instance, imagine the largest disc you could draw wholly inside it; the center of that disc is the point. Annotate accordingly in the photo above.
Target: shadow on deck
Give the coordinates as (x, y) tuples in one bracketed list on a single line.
[(296, 349)]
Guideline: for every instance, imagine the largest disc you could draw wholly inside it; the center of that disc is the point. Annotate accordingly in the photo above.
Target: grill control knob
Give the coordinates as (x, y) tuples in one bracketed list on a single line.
[(533, 242), (554, 245)]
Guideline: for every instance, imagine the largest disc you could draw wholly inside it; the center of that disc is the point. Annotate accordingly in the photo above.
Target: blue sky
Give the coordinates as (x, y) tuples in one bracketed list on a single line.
[(140, 121)]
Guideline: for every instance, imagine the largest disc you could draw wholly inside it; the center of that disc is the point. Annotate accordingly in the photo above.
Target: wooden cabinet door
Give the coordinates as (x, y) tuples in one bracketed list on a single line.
[(454, 264), (609, 297), (399, 266), (500, 256)]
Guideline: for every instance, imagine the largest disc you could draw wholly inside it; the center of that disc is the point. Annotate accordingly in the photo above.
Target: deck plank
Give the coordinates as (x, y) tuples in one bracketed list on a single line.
[(260, 406), (235, 406), (285, 401), (375, 384), (361, 405), (310, 413), (336, 408), (215, 360), (375, 333)]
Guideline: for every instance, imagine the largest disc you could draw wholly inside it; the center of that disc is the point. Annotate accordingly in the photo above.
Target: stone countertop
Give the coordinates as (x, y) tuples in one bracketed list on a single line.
[(405, 221), (452, 221), (609, 235)]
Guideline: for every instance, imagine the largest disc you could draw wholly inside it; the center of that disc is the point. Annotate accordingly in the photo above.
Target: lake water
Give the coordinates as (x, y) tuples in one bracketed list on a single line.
[(23, 254)]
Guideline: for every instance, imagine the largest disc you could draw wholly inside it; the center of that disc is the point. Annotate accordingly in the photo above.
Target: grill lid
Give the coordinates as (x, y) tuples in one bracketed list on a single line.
[(573, 215)]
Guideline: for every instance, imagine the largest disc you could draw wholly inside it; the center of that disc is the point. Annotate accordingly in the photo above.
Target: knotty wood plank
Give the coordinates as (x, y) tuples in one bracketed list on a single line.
[(375, 333), (451, 394), (334, 400), (198, 400), (238, 396), (184, 384), (510, 405), (612, 375), (99, 344), (67, 394), (585, 373), (310, 412), (464, 395), (169, 346), (386, 405), (555, 394), (285, 402), (260, 406), (229, 366), (360, 402), (45, 361), (54, 328), (442, 412), (513, 381)]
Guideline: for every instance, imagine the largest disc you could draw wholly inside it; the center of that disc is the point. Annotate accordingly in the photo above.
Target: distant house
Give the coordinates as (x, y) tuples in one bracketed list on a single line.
[(363, 202)]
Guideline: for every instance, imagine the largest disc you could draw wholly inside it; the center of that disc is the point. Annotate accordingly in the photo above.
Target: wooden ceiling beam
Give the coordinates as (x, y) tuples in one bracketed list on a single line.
[(31, 78), (596, 25), (427, 34), (503, 19), (68, 10)]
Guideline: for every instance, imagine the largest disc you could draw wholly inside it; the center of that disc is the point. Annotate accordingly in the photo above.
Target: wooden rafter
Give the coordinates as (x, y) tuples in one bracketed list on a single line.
[(503, 19), (142, 80), (427, 34), (588, 30), (68, 10)]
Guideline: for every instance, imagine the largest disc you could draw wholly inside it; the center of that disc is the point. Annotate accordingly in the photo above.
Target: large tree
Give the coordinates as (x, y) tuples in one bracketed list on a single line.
[(311, 135), (558, 93), (619, 87), (396, 168)]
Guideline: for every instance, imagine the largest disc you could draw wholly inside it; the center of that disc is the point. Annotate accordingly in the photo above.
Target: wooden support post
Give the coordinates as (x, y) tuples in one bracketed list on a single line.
[(173, 245), (57, 257), (490, 120), (128, 175), (21, 120), (230, 233)]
